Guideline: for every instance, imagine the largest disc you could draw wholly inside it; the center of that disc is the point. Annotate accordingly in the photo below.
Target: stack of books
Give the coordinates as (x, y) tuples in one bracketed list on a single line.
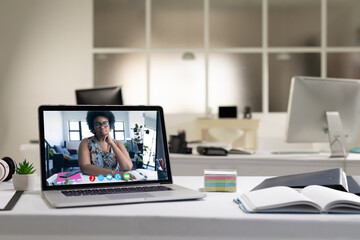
[(220, 180)]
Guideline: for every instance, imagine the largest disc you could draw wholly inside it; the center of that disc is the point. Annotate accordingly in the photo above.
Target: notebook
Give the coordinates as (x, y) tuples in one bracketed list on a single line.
[(67, 141)]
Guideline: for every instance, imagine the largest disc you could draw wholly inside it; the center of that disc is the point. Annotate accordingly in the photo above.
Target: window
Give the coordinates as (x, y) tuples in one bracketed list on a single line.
[(85, 131), (119, 133), (222, 52), (79, 130), (74, 131)]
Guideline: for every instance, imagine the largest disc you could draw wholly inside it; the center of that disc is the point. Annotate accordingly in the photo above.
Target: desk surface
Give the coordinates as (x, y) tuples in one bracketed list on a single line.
[(214, 217)]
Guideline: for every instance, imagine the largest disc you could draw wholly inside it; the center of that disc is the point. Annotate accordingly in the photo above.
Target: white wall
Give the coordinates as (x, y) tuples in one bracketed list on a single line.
[(45, 54), (54, 132)]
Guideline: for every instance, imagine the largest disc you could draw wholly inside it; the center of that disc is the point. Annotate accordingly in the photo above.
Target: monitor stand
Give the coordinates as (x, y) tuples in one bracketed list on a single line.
[(336, 135)]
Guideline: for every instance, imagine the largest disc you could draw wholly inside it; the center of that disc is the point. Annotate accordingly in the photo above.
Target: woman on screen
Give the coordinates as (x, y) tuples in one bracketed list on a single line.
[(100, 154)]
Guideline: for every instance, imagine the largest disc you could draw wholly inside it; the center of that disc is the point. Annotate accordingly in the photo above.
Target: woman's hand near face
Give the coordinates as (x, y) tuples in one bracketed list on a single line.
[(108, 139)]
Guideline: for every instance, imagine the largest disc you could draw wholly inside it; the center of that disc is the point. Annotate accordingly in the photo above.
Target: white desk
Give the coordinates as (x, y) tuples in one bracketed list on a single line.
[(261, 164), (215, 217)]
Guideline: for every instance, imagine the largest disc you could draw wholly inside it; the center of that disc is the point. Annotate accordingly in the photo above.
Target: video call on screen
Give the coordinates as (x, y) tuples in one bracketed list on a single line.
[(139, 132)]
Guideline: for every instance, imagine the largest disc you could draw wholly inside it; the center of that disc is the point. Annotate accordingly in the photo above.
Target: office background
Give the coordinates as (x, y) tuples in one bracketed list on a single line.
[(188, 56)]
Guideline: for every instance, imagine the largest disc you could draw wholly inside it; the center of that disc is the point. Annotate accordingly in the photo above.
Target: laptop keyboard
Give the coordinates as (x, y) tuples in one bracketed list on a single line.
[(102, 191)]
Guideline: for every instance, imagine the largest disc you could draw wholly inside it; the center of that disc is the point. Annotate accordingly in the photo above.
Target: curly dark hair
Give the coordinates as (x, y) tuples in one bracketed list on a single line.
[(91, 115)]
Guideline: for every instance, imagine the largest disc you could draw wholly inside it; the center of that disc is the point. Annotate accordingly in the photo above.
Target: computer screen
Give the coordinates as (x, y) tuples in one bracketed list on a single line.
[(76, 151), (99, 96), (322, 110)]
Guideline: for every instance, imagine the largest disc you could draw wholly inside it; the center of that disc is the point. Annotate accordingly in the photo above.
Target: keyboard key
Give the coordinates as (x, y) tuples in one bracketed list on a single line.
[(102, 191)]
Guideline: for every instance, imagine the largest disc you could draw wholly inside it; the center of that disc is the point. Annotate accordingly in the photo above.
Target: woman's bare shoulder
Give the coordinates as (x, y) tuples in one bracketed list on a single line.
[(85, 141)]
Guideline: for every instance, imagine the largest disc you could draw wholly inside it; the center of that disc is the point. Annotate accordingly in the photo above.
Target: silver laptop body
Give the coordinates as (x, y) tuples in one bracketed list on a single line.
[(64, 184)]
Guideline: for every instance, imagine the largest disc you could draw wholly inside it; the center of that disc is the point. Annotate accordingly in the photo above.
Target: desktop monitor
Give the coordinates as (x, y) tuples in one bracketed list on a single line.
[(322, 110), (99, 96)]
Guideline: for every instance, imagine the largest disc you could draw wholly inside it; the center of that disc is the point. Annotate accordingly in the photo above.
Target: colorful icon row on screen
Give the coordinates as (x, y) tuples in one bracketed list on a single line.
[(109, 177)]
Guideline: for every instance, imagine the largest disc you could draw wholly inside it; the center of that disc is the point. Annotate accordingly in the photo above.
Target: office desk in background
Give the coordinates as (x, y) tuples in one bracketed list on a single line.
[(215, 217), (229, 127), (261, 163)]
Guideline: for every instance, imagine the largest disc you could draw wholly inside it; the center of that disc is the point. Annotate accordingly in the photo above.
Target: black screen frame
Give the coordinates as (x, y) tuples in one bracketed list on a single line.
[(44, 108)]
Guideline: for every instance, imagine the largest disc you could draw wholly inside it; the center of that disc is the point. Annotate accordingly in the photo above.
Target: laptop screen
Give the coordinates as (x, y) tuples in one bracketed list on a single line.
[(102, 145)]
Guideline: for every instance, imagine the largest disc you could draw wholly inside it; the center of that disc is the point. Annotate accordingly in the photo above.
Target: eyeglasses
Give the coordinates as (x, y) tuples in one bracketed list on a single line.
[(104, 124)]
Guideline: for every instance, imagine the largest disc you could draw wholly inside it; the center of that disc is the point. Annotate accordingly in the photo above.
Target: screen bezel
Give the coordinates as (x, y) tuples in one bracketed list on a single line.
[(44, 108)]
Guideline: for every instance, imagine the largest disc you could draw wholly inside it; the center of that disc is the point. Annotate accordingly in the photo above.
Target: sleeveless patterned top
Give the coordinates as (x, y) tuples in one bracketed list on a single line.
[(100, 158)]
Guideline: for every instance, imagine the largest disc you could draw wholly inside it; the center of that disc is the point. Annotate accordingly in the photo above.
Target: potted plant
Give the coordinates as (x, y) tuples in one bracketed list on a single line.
[(129, 148), (24, 178), (139, 142), (138, 136), (139, 145)]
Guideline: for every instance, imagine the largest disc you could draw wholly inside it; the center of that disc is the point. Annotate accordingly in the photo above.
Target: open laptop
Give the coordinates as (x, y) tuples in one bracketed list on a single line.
[(140, 129)]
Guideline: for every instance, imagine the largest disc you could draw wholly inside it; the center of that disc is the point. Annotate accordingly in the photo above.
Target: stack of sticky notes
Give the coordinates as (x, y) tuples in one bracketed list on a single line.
[(220, 180)]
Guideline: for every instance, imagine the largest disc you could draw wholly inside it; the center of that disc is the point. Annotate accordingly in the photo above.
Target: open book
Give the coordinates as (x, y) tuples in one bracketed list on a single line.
[(311, 199)]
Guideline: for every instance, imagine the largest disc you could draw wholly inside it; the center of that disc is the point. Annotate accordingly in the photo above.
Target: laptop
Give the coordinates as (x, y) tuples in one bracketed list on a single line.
[(69, 139)]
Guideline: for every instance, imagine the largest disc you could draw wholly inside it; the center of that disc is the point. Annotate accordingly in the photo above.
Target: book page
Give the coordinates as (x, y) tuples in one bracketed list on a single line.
[(329, 198), (148, 174), (137, 175), (275, 197)]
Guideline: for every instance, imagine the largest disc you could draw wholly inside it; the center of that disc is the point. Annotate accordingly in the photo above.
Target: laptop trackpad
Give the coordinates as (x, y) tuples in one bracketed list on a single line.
[(128, 196)]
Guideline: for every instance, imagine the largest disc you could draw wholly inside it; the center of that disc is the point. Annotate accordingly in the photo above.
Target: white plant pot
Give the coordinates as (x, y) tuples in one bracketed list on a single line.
[(24, 182)]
